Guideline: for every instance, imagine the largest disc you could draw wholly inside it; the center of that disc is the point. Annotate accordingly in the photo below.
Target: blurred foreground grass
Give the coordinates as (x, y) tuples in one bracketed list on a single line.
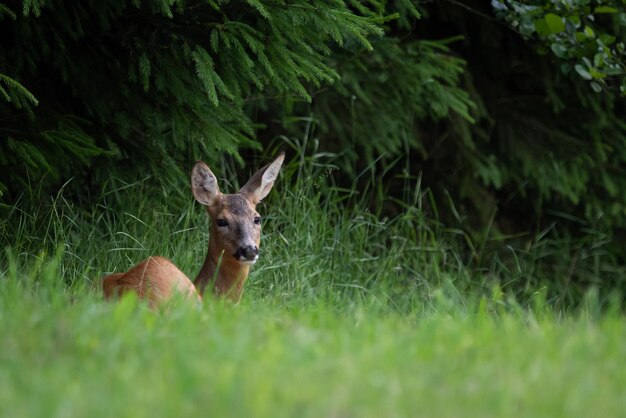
[(73, 355)]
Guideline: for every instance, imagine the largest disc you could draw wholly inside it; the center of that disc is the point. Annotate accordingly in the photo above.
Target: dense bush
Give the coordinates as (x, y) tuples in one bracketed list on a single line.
[(545, 141), (587, 36)]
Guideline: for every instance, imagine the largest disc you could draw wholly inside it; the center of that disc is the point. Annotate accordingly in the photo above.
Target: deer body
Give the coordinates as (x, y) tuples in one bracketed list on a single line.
[(155, 279), (234, 241)]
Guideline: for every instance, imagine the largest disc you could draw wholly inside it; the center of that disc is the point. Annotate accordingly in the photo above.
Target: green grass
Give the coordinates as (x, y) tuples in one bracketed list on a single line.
[(347, 314), (62, 356)]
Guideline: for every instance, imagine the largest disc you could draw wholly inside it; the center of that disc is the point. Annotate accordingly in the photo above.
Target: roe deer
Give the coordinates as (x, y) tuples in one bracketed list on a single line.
[(234, 240)]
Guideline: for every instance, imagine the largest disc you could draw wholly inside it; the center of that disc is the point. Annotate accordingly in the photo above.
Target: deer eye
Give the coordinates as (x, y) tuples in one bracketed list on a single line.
[(221, 222), (257, 220)]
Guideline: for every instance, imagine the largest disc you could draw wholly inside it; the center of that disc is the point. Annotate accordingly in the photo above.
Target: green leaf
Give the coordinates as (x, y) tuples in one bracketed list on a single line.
[(607, 39), (605, 9), (259, 8), (599, 59), (596, 87), (215, 40), (33, 6), (596, 74), (613, 71), (205, 72), (554, 22), (4, 10), (589, 32), (144, 71), (18, 91), (559, 50), (542, 28), (582, 71), (4, 94)]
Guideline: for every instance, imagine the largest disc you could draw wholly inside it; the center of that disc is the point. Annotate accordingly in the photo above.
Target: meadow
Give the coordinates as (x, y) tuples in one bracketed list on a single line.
[(348, 313)]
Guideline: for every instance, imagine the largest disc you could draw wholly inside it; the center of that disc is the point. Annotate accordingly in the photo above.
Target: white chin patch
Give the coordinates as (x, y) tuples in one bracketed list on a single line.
[(248, 262)]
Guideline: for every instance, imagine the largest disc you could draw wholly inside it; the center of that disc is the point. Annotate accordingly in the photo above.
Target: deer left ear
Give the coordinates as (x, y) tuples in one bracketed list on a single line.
[(262, 181), (204, 184)]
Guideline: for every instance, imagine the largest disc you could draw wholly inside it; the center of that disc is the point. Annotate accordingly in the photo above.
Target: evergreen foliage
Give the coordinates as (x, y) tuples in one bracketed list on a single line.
[(154, 83), (385, 96)]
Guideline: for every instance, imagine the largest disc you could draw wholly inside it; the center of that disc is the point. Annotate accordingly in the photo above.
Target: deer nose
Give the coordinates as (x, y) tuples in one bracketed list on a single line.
[(247, 253)]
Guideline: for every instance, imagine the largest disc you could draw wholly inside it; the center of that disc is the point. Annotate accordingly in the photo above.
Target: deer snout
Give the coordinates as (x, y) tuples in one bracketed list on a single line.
[(247, 254)]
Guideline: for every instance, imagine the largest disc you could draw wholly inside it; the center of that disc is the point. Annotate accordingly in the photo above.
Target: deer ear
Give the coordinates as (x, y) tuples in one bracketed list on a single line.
[(204, 184), (262, 181)]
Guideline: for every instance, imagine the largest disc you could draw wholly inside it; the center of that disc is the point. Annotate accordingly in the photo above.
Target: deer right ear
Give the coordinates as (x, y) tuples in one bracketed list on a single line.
[(204, 184), (262, 181)]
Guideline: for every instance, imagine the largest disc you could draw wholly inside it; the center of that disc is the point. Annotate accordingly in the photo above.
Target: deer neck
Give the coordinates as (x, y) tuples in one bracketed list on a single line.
[(223, 273)]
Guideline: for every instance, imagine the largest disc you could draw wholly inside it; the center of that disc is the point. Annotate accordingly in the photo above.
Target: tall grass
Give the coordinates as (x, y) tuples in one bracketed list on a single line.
[(319, 240), (347, 313)]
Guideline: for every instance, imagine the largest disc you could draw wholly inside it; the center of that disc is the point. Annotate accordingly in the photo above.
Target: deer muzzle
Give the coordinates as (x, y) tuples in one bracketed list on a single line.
[(248, 254)]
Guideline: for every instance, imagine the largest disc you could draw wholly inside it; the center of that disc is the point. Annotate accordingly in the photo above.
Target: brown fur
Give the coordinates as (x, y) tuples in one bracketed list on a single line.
[(157, 279)]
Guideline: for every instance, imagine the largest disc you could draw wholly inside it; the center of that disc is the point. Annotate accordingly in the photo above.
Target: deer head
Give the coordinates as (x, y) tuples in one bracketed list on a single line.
[(235, 224)]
